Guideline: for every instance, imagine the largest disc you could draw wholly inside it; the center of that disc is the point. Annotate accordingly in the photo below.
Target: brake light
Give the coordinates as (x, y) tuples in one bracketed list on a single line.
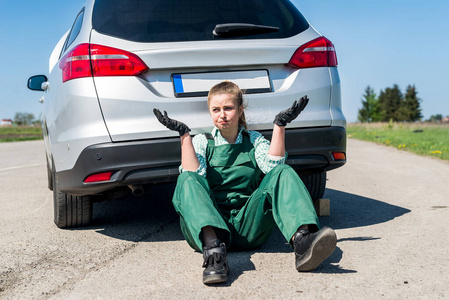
[(107, 61), (76, 63), (105, 176), (317, 53), (87, 60)]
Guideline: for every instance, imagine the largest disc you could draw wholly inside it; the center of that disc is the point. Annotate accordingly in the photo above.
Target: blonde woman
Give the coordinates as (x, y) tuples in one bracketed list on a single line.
[(219, 197)]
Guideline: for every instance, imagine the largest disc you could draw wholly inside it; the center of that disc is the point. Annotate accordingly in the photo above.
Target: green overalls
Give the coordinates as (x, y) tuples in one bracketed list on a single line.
[(231, 200)]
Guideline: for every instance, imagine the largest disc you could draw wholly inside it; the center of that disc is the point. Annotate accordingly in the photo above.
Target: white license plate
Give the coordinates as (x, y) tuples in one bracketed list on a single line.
[(199, 84)]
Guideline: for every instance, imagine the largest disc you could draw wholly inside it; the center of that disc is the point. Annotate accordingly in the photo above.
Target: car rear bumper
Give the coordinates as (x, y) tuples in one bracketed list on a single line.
[(152, 161)]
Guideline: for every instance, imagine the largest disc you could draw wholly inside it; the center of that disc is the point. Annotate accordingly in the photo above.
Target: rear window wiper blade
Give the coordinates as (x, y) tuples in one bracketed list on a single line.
[(241, 29)]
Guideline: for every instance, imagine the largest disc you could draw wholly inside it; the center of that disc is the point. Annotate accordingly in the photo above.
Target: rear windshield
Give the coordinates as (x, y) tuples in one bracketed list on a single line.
[(193, 20)]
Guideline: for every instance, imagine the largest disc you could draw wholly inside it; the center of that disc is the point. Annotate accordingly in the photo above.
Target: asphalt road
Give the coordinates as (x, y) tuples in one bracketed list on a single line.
[(388, 207)]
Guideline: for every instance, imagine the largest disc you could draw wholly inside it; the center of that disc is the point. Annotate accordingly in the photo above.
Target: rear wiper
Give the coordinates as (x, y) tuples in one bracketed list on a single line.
[(241, 29)]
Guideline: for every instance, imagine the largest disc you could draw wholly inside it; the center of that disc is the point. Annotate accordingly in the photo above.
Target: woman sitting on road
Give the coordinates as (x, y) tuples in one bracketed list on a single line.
[(218, 196)]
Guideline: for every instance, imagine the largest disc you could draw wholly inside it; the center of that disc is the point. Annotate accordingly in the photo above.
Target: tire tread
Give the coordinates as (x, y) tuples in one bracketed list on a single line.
[(315, 183), (70, 210)]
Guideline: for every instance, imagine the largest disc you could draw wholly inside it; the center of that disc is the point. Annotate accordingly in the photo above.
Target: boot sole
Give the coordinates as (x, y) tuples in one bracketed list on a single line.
[(215, 278), (322, 247)]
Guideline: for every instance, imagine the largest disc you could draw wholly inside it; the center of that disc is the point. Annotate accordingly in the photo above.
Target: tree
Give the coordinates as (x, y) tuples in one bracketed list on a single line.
[(24, 118), (390, 102), (370, 111), (410, 108), (436, 118)]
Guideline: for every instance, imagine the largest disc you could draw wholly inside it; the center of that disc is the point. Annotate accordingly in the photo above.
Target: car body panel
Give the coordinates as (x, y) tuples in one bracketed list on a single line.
[(338, 118), (137, 96)]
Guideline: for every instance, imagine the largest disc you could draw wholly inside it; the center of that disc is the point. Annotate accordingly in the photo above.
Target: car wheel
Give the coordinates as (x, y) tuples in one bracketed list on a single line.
[(70, 210), (315, 184)]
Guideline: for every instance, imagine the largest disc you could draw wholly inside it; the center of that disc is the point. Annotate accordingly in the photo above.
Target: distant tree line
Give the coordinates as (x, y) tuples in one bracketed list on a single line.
[(390, 105), (438, 118), (25, 119)]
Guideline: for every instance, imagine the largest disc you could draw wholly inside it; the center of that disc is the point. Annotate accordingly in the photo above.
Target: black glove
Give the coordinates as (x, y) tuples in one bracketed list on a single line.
[(289, 114), (170, 123)]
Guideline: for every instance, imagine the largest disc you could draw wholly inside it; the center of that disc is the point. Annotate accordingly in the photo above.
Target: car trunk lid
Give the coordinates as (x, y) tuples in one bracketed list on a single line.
[(258, 66)]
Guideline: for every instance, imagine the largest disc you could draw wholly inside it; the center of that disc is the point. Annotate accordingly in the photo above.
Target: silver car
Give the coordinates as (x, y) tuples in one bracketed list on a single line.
[(123, 58)]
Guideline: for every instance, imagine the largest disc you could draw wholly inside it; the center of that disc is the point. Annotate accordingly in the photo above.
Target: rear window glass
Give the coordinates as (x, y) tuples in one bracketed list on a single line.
[(181, 20)]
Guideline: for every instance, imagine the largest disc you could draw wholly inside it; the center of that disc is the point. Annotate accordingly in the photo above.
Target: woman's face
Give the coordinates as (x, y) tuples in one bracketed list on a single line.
[(224, 112)]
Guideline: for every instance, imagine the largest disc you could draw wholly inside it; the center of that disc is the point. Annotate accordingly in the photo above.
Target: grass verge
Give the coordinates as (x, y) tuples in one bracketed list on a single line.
[(420, 138), (20, 133)]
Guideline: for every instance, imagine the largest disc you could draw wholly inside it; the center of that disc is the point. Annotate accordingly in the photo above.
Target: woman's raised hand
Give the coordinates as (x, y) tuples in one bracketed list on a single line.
[(170, 123), (289, 114)]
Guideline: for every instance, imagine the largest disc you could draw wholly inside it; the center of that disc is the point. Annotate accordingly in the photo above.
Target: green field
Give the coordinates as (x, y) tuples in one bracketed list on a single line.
[(20, 133), (420, 138)]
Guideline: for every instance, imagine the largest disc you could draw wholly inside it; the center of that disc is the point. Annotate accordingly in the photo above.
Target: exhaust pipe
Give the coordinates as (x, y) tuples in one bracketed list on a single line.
[(136, 190)]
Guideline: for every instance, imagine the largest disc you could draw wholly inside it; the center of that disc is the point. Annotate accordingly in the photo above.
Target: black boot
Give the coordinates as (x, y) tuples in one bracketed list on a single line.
[(311, 249), (216, 263)]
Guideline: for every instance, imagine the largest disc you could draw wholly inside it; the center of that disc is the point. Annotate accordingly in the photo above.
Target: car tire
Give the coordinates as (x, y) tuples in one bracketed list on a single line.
[(69, 210), (315, 183)]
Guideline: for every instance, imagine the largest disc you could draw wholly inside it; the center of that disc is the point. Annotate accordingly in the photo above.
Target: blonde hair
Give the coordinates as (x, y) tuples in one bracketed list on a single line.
[(227, 87)]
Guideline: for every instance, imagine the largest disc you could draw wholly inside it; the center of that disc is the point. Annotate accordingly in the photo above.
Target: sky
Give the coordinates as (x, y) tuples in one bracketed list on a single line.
[(378, 42)]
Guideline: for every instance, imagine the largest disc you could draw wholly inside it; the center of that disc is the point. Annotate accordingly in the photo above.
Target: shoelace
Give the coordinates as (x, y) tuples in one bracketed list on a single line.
[(216, 259)]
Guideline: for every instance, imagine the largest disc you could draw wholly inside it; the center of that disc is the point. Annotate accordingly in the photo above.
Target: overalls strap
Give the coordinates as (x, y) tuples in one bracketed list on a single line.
[(209, 136), (210, 141)]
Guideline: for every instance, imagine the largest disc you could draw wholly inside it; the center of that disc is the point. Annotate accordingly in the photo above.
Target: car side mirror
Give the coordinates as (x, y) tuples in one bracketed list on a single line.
[(35, 82)]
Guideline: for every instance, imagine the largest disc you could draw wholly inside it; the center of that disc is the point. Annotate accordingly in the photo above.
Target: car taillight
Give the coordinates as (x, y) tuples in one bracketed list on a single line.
[(87, 60), (105, 176), (76, 63), (107, 61), (339, 155), (317, 53)]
